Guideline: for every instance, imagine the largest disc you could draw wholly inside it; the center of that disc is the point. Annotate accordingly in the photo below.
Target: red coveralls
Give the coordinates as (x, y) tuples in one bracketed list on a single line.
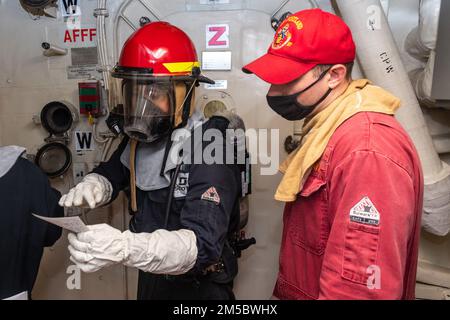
[(338, 245)]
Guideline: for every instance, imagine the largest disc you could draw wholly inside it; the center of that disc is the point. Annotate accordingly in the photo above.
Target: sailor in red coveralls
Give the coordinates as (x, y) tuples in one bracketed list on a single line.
[(353, 188)]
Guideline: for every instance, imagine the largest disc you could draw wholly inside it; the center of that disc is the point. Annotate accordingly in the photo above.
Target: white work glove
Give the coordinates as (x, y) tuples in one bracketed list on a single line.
[(101, 246), (160, 252), (93, 191)]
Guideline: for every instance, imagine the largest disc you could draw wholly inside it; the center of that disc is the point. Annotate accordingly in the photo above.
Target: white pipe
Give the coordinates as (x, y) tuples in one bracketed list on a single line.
[(100, 13), (96, 135), (381, 63), (421, 43), (429, 22), (422, 81), (313, 3)]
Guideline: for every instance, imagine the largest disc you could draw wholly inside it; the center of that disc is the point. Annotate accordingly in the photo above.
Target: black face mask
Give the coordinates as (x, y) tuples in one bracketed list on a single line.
[(288, 106)]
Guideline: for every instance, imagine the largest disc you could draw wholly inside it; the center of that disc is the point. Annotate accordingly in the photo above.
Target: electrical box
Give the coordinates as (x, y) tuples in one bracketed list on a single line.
[(89, 94)]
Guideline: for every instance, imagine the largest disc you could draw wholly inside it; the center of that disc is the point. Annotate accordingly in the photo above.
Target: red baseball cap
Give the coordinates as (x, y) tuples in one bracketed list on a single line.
[(304, 40)]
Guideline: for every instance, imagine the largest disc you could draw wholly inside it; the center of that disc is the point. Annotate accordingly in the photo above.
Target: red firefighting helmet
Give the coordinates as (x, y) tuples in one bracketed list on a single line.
[(158, 69), (159, 49)]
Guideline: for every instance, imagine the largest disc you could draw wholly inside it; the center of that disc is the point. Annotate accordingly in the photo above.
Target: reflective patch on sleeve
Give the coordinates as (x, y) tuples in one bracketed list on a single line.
[(365, 212), (181, 187), (211, 195)]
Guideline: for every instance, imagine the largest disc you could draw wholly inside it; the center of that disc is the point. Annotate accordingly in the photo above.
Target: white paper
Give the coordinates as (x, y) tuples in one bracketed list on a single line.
[(73, 224), (20, 296)]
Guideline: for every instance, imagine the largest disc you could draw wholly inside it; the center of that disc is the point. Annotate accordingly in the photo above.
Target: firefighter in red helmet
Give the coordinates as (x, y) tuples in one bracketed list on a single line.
[(184, 213)]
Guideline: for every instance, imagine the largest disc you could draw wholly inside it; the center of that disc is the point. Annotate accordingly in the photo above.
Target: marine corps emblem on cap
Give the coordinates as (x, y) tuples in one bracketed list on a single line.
[(283, 36)]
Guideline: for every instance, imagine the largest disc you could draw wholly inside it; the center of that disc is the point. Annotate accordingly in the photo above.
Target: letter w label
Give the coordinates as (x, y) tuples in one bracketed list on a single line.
[(83, 141), (70, 8)]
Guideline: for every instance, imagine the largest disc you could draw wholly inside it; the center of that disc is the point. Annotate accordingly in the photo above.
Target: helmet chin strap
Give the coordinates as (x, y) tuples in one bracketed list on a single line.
[(187, 103)]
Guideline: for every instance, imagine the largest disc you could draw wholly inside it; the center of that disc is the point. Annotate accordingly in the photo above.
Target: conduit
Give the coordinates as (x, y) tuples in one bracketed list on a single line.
[(100, 13)]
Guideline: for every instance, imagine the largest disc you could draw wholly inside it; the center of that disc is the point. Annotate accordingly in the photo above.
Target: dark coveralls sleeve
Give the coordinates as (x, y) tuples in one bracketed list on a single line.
[(25, 190), (44, 202), (113, 170)]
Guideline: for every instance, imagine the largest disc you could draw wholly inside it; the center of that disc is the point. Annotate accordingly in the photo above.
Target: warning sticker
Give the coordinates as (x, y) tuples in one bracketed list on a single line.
[(82, 72), (365, 212), (84, 64)]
